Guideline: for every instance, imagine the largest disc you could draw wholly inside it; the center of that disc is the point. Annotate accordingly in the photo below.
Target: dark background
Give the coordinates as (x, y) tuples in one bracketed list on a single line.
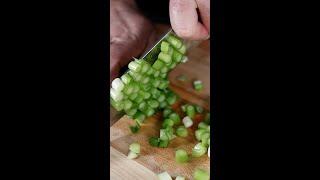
[(55, 66)]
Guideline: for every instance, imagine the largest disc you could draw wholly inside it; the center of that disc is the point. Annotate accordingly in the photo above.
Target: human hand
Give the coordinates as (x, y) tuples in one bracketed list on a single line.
[(130, 34), (184, 18)]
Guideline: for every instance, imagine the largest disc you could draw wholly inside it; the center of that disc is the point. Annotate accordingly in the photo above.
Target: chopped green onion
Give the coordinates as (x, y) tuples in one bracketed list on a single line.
[(187, 121), (163, 134), (117, 105), (175, 117), (167, 122), (199, 150), (163, 104), (154, 141), (184, 59), (161, 98), (127, 104), (198, 85), (135, 147), (199, 109), (156, 73), (204, 139), (131, 111), (163, 75), (116, 95), (183, 49), (126, 78), (166, 58), (139, 116), (153, 103), (184, 107), (149, 112), (132, 155), (165, 46), (155, 93), (133, 96), (174, 41), (198, 133), (176, 56), (134, 66), (135, 75), (171, 99), (182, 131), (190, 111), (117, 84), (145, 80), (158, 65), (166, 112), (164, 84), (142, 106), (164, 70), (202, 125), (150, 72), (172, 65), (163, 143), (134, 129), (164, 176), (156, 82), (181, 156), (138, 99), (200, 174)]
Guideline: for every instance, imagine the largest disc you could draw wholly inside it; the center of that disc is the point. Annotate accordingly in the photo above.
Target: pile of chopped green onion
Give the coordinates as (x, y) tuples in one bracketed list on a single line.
[(143, 90), (202, 134)]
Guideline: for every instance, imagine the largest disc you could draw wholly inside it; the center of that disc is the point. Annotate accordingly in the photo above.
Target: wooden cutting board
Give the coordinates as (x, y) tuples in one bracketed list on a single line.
[(156, 160)]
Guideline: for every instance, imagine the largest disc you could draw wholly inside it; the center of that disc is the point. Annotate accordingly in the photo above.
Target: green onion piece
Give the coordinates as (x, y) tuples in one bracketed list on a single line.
[(166, 58), (167, 123), (127, 104), (158, 65), (198, 133), (164, 84), (187, 121), (202, 125), (136, 75), (200, 174), (145, 94), (128, 89), (145, 67), (175, 117), (204, 139), (164, 70), (155, 93), (182, 131), (184, 107), (132, 155), (199, 109), (154, 141), (177, 56), (163, 143), (116, 95), (174, 41), (126, 78), (145, 80), (156, 73), (190, 111), (198, 85), (139, 116), (164, 176), (184, 59), (136, 88), (133, 96), (135, 147), (153, 103), (172, 65), (117, 105), (161, 98), (171, 99), (181, 156), (145, 87), (166, 112), (131, 111), (134, 66), (163, 104), (134, 129), (199, 150), (142, 106), (163, 75), (165, 46), (163, 134), (150, 71), (138, 99), (156, 82), (170, 51), (149, 112), (180, 178), (117, 84), (183, 49)]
